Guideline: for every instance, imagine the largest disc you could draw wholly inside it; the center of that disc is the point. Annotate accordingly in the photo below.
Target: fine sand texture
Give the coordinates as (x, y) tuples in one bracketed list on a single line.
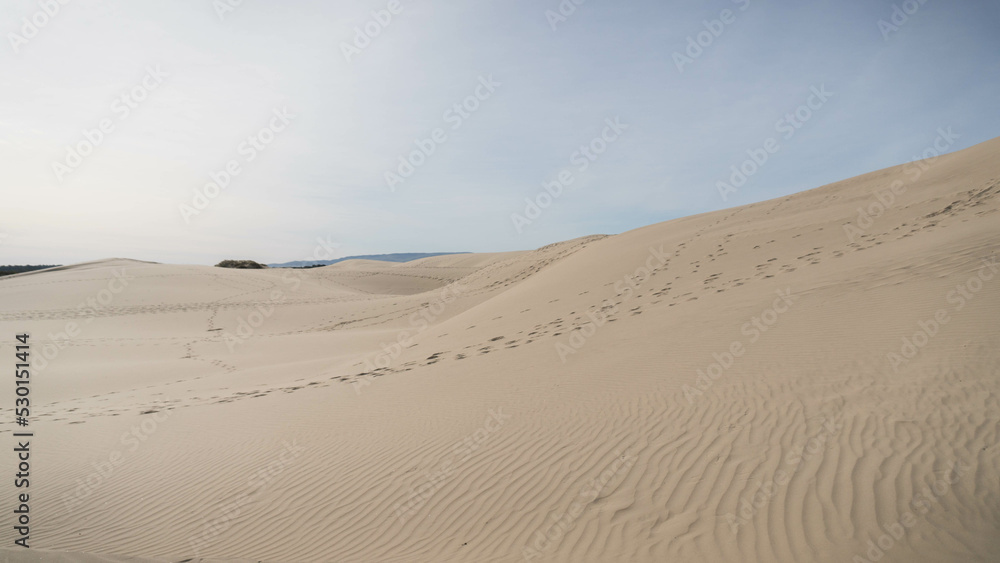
[(786, 381)]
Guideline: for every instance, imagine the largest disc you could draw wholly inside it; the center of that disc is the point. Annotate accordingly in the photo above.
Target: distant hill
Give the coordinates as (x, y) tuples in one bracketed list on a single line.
[(401, 257), (8, 270)]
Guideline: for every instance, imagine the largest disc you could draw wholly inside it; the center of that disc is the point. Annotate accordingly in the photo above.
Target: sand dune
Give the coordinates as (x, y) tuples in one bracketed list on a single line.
[(783, 381)]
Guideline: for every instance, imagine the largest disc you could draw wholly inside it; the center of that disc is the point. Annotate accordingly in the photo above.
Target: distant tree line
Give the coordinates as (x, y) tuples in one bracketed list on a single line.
[(8, 270)]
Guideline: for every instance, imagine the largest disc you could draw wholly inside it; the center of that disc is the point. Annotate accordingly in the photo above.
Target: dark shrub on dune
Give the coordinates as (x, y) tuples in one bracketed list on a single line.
[(240, 264)]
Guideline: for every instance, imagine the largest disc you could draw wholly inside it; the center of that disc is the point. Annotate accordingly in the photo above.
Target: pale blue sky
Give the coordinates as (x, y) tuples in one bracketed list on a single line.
[(323, 176)]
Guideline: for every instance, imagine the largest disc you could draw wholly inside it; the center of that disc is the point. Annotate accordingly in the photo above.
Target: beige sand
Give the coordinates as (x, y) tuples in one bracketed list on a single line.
[(256, 416)]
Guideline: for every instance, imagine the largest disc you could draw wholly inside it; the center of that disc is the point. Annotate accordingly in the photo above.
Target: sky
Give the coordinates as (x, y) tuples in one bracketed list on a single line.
[(193, 131)]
